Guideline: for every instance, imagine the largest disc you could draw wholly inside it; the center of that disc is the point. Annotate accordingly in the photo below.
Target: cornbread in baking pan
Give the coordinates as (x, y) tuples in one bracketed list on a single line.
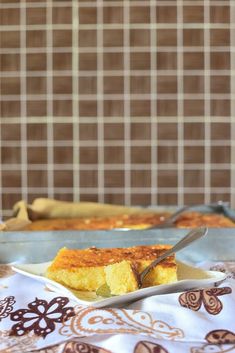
[(88, 269)]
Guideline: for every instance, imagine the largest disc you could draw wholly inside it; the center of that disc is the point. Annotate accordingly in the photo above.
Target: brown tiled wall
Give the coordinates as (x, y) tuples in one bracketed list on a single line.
[(128, 102)]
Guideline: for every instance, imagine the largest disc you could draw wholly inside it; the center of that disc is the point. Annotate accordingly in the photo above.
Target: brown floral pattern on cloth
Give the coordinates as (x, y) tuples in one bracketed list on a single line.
[(13, 344), (89, 321), (219, 341), (6, 271), (149, 347), (41, 316), (6, 306), (208, 297), (227, 267), (221, 337)]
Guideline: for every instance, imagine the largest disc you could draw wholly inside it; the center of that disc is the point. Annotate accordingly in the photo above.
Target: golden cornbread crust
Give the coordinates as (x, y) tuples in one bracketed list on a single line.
[(133, 221), (86, 269)]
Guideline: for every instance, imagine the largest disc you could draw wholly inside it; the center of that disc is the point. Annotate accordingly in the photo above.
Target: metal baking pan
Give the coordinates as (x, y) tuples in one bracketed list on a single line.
[(41, 246)]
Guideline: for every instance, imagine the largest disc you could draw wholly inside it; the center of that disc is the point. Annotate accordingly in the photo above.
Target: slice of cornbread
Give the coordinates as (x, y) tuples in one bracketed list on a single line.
[(122, 277), (86, 269)]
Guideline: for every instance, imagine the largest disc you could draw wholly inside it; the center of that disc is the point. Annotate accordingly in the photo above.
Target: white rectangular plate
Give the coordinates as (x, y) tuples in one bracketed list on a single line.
[(188, 278)]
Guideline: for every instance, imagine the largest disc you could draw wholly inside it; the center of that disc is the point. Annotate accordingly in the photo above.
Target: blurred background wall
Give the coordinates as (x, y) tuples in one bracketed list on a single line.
[(126, 102)]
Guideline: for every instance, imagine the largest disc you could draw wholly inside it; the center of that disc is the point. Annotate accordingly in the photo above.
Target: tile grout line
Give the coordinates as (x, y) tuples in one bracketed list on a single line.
[(23, 105), (154, 118), (180, 108), (127, 122), (232, 113), (49, 98), (100, 103), (75, 100), (207, 102)]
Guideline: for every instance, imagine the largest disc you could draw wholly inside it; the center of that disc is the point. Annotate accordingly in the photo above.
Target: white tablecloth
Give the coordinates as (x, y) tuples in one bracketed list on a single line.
[(198, 321)]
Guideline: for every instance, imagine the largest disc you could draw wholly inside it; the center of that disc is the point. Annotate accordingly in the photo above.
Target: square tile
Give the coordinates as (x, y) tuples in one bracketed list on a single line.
[(87, 85), (115, 199), (88, 197), (194, 107), (10, 16), (36, 85), (36, 155), (220, 131), (140, 199), (62, 85), (140, 84), (63, 179), (114, 155), (113, 131), (167, 154), (140, 61), (167, 107), (11, 179), (220, 178), (139, 14), (140, 178), (62, 108), (220, 60), (139, 37), (166, 131), (88, 132), (87, 61), (140, 131), (63, 155), (112, 14), (62, 15), (220, 154), (10, 132), (10, 39), (194, 178), (36, 39), (113, 108), (220, 84), (194, 131), (167, 199), (36, 15), (193, 84), (36, 108), (9, 62), (88, 179), (10, 109), (113, 61), (220, 37), (62, 61), (193, 14), (166, 60), (166, 14), (10, 85), (193, 37), (220, 107), (113, 84), (166, 84), (113, 37), (33, 176), (194, 198), (167, 178), (219, 14), (87, 15), (36, 132), (166, 37), (62, 38), (11, 155), (63, 197), (140, 154), (36, 62), (63, 132), (194, 154), (88, 155), (87, 38), (221, 196), (87, 108), (140, 108), (8, 200), (193, 61), (114, 178)]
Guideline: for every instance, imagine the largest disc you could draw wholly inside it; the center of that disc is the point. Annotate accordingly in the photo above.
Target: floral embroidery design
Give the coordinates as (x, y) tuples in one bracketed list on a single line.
[(219, 341), (6, 306), (89, 321), (75, 346), (221, 337), (194, 299), (6, 271), (228, 268), (41, 316), (12, 344), (149, 347)]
